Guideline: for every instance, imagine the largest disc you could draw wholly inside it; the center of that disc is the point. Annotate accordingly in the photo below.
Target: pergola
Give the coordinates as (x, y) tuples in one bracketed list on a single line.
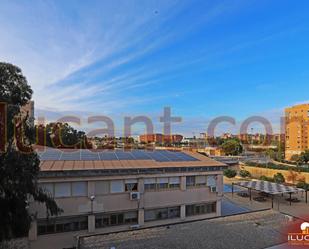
[(270, 188)]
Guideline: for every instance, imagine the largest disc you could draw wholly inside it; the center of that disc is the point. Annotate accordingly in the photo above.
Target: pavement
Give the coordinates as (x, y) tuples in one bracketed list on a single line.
[(251, 230)]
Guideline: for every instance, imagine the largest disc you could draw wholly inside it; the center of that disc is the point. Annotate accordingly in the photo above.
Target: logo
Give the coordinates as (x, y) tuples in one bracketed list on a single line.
[(300, 238)]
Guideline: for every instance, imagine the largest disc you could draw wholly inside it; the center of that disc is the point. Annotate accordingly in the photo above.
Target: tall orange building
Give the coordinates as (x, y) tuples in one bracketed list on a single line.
[(296, 130)]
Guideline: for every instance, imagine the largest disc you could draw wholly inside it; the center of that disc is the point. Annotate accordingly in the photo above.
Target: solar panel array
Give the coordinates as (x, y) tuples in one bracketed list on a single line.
[(87, 155)]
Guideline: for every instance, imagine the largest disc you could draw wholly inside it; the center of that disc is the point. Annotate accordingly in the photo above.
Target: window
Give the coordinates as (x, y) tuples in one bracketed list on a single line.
[(79, 189), (62, 225), (162, 213), (174, 182), (200, 181), (150, 183), (211, 181), (62, 189), (131, 185), (66, 189), (114, 219), (199, 209), (48, 187), (101, 187), (190, 181), (130, 217), (117, 186), (162, 183)]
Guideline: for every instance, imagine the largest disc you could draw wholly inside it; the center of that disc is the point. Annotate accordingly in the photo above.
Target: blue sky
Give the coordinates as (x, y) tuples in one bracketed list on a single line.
[(202, 58)]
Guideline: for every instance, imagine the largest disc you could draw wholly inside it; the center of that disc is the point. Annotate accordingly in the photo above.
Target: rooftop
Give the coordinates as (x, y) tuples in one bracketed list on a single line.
[(72, 160)]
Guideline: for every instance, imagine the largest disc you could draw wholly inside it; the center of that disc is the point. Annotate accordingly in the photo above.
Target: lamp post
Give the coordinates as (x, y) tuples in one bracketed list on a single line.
[(92, 198)]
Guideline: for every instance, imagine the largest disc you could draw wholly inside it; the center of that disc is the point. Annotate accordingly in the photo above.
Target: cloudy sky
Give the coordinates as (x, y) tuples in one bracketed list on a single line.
[(125, 58)]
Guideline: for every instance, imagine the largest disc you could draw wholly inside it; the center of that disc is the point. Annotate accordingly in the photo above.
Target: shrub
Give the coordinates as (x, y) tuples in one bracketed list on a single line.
[(279, 178), (303, 185), (266, 178), (277, 166), (244, 173), (229, 173)]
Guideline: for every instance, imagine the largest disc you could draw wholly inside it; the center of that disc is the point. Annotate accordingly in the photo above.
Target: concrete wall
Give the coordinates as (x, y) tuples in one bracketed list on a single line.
[(121, 202), (290, 176)]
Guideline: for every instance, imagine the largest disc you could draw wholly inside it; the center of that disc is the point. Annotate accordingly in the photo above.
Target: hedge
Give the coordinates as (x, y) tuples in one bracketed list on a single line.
[(271, 165)]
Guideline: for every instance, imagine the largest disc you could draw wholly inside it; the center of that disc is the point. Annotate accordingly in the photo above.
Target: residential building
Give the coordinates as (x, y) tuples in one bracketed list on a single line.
[(296, 130), (109, 191), (212, 151), (160, 138)]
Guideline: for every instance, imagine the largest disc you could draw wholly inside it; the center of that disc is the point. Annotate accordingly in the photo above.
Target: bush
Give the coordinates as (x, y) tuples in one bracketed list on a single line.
[(277, 166), (266, 178), (295, 158), (229, 173), (279, 178), (303, 185), (244, 173)]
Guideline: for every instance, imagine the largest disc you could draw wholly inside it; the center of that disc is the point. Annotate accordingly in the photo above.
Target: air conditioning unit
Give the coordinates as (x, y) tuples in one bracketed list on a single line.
[(213, 189), (135, 226), (134, 196)]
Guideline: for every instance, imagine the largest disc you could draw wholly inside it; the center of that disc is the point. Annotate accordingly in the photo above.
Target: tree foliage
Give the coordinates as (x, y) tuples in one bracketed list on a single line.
[(232, 147), (303, 185), (244, 173), (279, 178), (266, 178), (229, 173), (19, 170), (61, 135)]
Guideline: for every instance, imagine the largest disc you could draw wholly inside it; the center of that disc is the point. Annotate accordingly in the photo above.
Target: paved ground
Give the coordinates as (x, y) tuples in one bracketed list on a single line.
[(229, 208), (255, 231), (286, 246), (300, 209)]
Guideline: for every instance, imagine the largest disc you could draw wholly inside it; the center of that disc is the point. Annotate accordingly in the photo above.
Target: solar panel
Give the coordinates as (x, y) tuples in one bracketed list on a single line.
[(140, 155), (122, 155), (50, 154), (155, 155), (87, 155), (172, 156), (107, 155), (70, 156)]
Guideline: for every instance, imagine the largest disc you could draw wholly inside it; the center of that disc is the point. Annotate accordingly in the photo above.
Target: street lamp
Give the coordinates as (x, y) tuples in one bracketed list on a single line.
[(92, 198)]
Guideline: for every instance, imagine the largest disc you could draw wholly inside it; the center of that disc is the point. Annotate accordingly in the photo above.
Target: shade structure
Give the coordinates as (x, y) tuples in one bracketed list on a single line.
[(269, 187)]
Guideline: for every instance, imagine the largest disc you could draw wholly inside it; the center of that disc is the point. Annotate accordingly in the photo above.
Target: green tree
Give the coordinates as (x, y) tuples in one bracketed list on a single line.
[(229, 173), (279, 178), (303, 185), (19, 171), (244, 173), (232, 147), (62, 135), (295, 158), (266, 178), (304, 157)]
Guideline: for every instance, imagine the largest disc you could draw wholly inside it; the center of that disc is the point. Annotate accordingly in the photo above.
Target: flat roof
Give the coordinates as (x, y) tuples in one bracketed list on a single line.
[(59, 160)]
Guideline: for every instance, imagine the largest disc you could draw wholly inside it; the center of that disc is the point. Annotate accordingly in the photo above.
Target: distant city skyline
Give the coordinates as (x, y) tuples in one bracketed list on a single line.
[(204, 59)]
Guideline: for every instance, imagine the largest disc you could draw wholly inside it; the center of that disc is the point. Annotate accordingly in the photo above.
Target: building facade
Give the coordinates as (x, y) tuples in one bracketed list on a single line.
[(296, 130), (116, 195), (160, 138)]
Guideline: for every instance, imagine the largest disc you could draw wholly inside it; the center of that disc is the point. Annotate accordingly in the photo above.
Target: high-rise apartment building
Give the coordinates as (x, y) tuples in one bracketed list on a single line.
[(296, 130)]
